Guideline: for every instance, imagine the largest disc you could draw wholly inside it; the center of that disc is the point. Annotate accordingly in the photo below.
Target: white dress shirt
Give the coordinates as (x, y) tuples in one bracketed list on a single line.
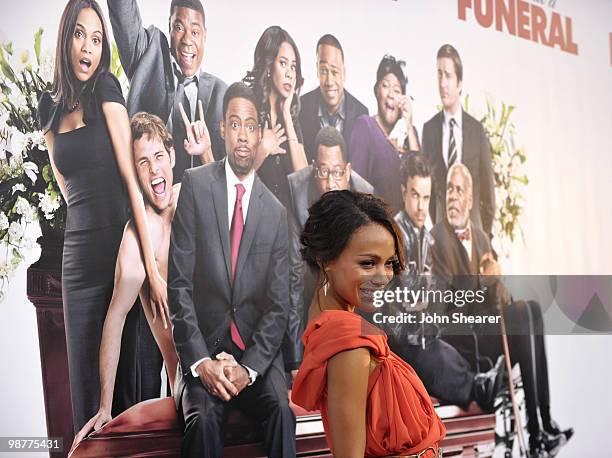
[(191, 91), (457, 132), (232, 180)]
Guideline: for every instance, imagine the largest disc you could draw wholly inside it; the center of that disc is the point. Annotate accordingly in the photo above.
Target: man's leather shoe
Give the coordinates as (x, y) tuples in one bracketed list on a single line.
[(554, 442), (488, 384), (537, 448), (553, 428), (546, 445)]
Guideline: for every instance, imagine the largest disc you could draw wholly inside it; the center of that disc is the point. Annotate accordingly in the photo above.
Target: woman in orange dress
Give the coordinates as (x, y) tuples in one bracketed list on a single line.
[(372, 403)]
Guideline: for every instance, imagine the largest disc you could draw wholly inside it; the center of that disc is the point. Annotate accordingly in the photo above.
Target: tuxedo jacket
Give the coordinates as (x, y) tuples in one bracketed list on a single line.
[(310, 123), (451, 264), (476, 156), (304, 192), (202, 296), (146, 59)]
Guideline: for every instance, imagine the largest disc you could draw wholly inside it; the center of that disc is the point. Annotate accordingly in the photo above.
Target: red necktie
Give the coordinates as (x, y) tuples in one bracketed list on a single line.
[(235, 237)]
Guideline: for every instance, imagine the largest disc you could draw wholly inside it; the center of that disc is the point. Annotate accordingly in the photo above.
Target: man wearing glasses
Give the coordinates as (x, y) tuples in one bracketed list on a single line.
[(329, 171)]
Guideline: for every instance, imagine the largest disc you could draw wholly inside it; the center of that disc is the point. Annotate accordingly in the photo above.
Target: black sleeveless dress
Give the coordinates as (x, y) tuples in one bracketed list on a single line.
[(97, 213)]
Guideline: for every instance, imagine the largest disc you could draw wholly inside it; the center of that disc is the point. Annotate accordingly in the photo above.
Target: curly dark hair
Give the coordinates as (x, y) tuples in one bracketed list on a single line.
[(390, 64), (259, 77), (335, 217)]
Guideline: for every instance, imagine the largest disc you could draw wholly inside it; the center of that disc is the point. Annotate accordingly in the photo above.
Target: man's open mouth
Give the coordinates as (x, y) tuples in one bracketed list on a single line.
[(159, 186), (187, 57)]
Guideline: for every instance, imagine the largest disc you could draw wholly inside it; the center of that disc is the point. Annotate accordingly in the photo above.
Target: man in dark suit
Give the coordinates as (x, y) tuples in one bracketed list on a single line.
[(444, 372), (163, 75), (462, 260), (330, 171), (329, 104), (453, 136), (228, 292)]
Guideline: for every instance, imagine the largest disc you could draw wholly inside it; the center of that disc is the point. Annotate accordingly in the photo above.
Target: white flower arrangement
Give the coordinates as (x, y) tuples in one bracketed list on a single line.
[(30, 202), (509, 177), (49, 204)]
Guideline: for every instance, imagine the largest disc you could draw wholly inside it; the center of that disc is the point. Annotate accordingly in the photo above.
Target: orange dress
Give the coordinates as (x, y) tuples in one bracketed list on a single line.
[(400, 416)]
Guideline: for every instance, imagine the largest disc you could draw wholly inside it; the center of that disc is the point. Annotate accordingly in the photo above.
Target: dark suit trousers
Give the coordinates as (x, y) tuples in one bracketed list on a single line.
[(444, 372), (265, 403), (526, 343)]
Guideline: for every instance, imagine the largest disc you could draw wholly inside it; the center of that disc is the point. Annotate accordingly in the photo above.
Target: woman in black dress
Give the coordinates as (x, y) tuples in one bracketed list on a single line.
[(276, 78), (88, 135)]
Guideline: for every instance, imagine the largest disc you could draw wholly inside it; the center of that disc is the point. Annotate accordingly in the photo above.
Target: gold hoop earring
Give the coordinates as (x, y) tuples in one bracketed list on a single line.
[(325, 286)]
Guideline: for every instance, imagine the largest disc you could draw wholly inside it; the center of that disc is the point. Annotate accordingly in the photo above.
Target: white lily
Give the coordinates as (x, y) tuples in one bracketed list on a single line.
[(4, 222), (31, 170), (17, 143)]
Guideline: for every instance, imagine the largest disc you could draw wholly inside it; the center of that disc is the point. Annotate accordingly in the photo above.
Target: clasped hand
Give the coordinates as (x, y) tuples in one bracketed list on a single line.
[(223, 377)]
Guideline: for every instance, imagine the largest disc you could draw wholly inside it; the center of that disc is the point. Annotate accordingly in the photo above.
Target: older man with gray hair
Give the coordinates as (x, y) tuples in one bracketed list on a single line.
[(463, 259)]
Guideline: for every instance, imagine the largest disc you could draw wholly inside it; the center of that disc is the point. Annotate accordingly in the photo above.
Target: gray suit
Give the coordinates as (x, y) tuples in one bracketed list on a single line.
[(146, 59), (203, 299), (304, 192), (476, 156)]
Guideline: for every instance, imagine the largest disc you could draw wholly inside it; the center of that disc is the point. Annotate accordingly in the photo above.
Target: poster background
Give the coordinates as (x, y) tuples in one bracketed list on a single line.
[(563, 118)]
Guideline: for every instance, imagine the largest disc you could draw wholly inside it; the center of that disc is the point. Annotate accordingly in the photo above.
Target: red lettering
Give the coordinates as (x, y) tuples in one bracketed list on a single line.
[(485, 18), (523, 19), (505, 16), (538, 25), (556, 32), (570, 46), (463, 5)]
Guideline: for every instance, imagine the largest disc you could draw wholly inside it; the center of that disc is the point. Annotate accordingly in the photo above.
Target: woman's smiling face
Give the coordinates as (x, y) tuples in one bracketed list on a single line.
[(388, 95), (364, 267)]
